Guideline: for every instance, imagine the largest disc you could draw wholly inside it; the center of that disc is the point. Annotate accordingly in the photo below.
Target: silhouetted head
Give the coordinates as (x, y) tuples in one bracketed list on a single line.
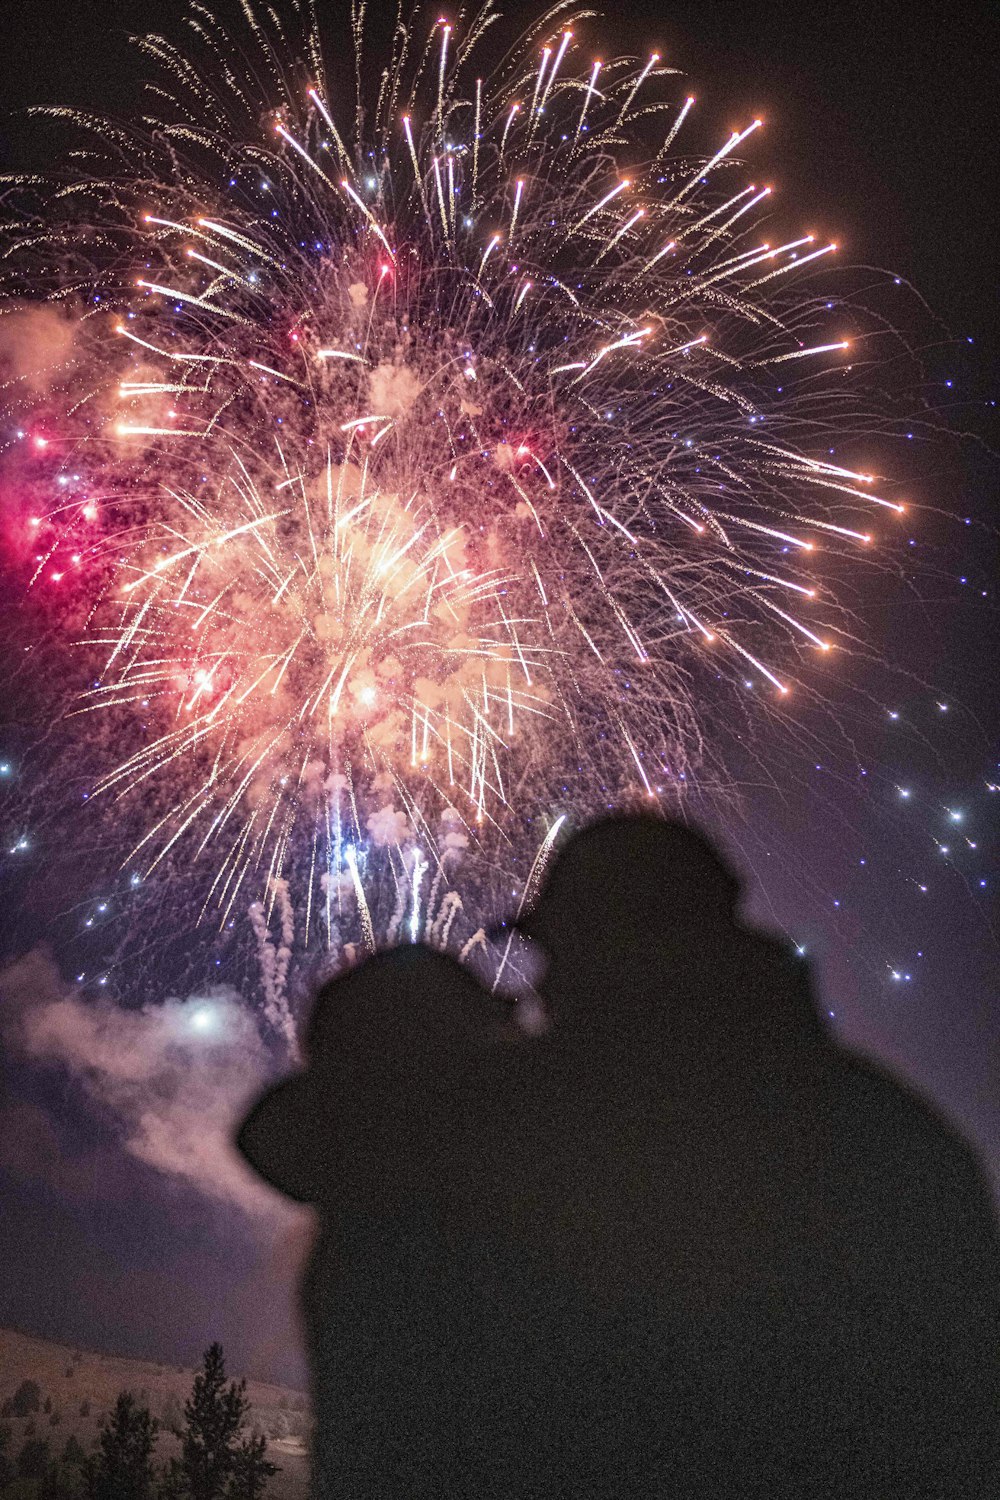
[(631, 881), (408, 998), (384, 1045)]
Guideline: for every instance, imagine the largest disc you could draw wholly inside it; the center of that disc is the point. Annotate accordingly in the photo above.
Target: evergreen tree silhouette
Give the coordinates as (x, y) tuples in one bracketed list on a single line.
[(251, 1469), (61, 1482), (122, 1467), (73, 1453), (33, 1459), (24, 1401), (7, 1470), (214, 1416)]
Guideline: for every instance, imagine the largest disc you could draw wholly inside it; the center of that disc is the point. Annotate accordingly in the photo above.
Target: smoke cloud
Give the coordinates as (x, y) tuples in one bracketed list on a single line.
[(35, 343), (172, 1079), (394, 390)]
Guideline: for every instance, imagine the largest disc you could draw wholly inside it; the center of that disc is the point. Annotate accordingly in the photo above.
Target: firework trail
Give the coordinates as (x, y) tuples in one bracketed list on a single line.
[(415, 471)]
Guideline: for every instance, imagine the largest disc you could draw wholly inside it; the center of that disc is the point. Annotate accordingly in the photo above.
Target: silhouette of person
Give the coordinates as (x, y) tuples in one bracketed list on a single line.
[(384, 1133), (776, 1271)]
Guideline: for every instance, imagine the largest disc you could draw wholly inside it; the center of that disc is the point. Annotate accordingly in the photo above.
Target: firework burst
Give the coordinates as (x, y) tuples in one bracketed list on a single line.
[(423, 469)]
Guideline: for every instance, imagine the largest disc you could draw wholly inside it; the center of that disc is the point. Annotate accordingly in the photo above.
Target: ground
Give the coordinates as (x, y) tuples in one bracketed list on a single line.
[(82, 1386)]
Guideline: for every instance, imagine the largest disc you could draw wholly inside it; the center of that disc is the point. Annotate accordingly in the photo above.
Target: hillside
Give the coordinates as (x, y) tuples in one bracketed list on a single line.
[(82, 1387)]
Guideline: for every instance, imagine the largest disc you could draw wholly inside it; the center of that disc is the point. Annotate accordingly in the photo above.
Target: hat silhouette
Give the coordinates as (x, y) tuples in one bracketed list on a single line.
[(635, 874)]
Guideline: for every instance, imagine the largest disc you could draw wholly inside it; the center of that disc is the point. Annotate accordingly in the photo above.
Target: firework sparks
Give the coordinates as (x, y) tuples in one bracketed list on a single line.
[(415, 473)]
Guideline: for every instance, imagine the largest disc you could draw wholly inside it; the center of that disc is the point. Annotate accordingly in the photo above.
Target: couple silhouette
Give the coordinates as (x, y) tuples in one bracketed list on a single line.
[(680, 1244)]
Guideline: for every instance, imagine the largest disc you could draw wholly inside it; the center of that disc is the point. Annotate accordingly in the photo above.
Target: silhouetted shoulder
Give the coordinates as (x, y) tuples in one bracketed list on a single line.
[(891, 1123), (768, 987)]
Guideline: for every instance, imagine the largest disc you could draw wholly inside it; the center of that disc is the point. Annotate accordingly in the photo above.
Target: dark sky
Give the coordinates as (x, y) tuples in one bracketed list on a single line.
[(881, 125), (882, 129)]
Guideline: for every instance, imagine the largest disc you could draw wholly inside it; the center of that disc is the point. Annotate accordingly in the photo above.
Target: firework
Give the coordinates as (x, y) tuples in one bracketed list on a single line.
[(425, 468)]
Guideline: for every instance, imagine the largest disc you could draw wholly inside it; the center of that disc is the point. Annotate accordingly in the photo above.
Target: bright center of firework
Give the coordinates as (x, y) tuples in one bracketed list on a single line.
[(308, 621)]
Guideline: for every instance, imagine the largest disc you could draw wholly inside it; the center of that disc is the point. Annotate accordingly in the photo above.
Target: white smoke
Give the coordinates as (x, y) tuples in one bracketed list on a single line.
[(439, 927), (174, 1079), (387, 826), (453, 836), (35, 344), (394, 390), (275, 961)]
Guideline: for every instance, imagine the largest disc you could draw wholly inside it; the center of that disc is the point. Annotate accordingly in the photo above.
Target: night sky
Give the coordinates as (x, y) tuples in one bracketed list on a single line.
[(882, 131)]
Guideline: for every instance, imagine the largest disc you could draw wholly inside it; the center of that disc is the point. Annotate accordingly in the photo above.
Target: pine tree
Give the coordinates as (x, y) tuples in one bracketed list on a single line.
[(214, 1417), (33, 1459), (122, 1468), (251, 1469), (7, 1469), (61, 1481), (73, 1453), (24, 1401)]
